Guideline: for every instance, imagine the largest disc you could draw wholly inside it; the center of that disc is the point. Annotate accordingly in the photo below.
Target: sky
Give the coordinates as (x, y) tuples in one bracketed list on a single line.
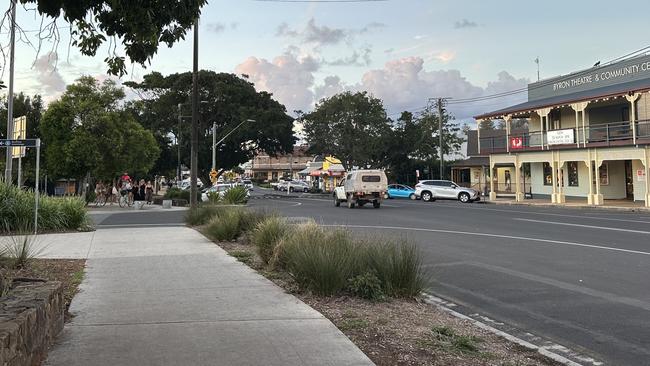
[(401, 51)]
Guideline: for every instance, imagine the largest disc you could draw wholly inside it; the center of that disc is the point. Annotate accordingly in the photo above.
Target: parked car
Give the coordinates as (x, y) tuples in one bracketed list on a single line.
[(248, 184), (400, 191), (185, 184), (221, 188), (431, 190), (360, 187), (294, 186)]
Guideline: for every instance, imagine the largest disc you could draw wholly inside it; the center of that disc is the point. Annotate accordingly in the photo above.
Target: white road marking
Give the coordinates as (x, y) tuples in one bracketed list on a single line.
[(523, 238), (467, 207), (586, 226)]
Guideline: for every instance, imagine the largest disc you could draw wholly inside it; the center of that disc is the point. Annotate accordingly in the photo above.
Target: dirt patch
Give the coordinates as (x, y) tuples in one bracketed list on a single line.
[(69, 272), (401, 332)]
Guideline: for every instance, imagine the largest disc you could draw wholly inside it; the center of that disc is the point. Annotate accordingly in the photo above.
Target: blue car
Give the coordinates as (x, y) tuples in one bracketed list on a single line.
[(400, 191)]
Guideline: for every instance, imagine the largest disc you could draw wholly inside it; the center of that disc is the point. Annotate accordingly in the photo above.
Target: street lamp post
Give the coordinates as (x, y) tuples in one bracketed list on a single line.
[(217, 143)]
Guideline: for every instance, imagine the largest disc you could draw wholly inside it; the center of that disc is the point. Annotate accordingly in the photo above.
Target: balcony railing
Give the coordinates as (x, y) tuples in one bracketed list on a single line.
[(607, 134)]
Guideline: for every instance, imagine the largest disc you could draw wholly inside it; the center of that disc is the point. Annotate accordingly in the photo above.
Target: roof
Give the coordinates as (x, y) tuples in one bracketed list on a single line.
[(606, 91), (473, 161)]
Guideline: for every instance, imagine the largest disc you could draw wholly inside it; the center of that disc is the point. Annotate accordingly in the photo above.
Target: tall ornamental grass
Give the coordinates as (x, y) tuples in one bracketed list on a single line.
[(54, 214), (328, 261)]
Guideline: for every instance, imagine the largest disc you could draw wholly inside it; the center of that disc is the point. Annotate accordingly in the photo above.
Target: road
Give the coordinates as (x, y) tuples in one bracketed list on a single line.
[(580, 278)]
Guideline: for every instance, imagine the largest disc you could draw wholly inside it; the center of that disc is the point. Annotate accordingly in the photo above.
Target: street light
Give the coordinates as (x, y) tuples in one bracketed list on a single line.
[(215, 143)]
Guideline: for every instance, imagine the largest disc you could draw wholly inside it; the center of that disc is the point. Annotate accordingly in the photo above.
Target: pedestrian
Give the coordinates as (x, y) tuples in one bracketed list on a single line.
[(135, 191), (142, 190), (149, 192)]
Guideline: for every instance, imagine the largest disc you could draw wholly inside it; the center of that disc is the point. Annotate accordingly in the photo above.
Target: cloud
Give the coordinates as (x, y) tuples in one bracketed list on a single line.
[(50, 80), (444, 56), (288, 77), (464, 23), (322, 35), (357, 58), (218, 27), (403, 84)]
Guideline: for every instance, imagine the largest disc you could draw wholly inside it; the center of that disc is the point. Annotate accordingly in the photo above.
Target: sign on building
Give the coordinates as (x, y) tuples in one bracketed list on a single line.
[(640, 175), (560, 137), (516, 143)]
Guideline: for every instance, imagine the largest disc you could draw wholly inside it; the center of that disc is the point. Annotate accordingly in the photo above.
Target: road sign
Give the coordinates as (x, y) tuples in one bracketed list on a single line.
[(18, 143), (213, 175), (20, 132)]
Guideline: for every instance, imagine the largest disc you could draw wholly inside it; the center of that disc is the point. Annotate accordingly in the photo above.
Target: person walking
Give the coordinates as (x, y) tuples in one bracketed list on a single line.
[(149, 192)]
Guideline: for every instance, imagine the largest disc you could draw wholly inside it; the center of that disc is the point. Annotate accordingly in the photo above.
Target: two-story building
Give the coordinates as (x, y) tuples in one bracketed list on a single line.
[(265, 167), (587, 136)]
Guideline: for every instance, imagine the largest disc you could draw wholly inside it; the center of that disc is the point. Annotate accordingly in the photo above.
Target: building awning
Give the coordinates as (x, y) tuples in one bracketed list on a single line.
[(607, 91), (474, 161), (336, 168)]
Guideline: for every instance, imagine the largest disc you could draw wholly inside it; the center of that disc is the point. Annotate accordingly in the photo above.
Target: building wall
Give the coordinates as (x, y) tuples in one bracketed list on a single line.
[(639, 185), (616, 189), (643, 107)]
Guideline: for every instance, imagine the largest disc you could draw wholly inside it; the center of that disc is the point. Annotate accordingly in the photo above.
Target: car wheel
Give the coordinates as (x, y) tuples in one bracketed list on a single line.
[(412, 196), (376, 204), (350, 202), (386, 196), (291, 189), (463, 197), (427, 197), (337, 202)]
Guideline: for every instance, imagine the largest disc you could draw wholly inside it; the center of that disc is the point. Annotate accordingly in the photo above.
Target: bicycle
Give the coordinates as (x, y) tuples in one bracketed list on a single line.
[(100, 199), (125, 199)]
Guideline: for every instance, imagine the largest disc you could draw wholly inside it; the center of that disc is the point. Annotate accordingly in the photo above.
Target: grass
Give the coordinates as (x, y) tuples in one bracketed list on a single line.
[(329, 261), (242, 256), (230, 223), (352, 324), (446, 337), (236, 195), (54, 214), (267, 234), (202, 214)]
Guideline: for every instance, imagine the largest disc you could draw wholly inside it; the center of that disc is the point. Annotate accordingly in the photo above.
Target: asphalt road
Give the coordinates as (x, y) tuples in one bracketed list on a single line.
[(580, 278)]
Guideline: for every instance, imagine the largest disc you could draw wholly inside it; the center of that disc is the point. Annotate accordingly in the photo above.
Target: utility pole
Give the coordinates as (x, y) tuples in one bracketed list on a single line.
[(179, 176), (214, 145), (195, 119), (440, 122), (10, 92)]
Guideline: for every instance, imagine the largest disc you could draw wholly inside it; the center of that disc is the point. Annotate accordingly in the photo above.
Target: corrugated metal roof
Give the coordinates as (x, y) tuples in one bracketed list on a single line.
[(612, 90)]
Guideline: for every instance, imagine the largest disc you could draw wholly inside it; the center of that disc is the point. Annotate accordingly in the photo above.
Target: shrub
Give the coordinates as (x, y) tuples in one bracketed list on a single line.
[(202, 214), (19, 250), (321, 261), (225, 226), (214, 197), (55, 214), (397, 266), (177, 193), (366, 286), (267, 234), (236, 195)]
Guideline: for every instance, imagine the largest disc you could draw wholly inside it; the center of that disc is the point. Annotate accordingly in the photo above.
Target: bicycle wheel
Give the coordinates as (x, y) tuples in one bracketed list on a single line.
[(123, 201), (102, 200)]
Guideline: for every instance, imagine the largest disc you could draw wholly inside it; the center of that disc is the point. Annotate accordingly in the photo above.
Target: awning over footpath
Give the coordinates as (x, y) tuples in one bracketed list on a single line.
[(474, 161), (607, 91)]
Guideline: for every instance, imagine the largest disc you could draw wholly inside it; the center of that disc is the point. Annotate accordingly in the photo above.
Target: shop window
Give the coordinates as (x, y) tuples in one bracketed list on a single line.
[(603, 174), (572, 166), (548, 174)]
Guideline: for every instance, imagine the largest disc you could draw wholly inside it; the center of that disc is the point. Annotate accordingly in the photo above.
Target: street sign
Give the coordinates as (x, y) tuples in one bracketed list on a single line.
[(213, 175), (18, 143), (20, 132)]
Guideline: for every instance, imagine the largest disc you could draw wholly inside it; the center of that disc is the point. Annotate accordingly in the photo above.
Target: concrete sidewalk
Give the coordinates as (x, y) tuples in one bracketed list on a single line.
[(620, 205), (168, 296)]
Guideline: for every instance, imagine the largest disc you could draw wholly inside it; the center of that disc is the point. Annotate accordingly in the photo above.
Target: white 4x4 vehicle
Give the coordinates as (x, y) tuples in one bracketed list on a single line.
[(431, 190), (360, 187)]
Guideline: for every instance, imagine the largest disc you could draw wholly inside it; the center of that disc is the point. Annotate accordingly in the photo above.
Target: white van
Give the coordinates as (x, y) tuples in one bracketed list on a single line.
[(360, 187)]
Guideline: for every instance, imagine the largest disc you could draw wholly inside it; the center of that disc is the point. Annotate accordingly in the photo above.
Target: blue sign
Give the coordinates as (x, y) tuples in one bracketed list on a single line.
[(18, 143)]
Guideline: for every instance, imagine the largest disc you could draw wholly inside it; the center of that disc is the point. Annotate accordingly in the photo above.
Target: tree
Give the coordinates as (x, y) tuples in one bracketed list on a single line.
[(415, 143), (140, 25), (86, 131), (352, 127), (225, 99)]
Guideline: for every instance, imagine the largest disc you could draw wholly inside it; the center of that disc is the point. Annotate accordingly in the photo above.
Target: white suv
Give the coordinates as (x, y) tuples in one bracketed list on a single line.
[(431, 190)]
